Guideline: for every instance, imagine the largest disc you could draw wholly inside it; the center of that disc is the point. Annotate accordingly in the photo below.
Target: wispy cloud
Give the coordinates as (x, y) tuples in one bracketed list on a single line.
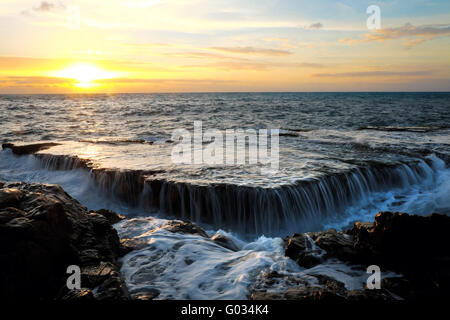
[(376, 74), (35, 80), (316, 25), (413, 35), (43, 7), (253, 50), (256, 66), (49, 6)]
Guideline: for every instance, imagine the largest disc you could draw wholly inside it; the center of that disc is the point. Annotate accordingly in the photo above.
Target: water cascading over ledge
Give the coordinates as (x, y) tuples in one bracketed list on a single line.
[(251, 210)]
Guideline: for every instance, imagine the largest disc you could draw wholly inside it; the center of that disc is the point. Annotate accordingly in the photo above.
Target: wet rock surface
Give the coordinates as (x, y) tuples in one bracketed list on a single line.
[(226, 242), (186, 227), (42, 232), (28, 149), (325, 290), (414, 246)]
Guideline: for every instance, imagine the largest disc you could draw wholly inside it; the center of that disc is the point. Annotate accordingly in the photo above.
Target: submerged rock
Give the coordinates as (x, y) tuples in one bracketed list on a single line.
[(42, 232)]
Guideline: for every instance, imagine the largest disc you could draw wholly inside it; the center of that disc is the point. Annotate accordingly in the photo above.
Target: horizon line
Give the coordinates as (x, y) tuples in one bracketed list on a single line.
[(206, 92)]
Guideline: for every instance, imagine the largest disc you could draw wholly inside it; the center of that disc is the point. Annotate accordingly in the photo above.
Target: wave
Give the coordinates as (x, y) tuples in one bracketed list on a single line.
[(117, 141), (421, 129)]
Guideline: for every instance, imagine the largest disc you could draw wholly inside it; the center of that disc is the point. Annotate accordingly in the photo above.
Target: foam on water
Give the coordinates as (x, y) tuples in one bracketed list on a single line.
[(76, 182), (184, 266)]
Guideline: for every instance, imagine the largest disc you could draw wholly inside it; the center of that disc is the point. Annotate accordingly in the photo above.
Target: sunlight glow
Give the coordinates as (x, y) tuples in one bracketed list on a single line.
[(85, 74)]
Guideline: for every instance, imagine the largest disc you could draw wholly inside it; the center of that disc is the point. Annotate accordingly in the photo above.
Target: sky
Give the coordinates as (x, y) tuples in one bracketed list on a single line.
[(62, 46)]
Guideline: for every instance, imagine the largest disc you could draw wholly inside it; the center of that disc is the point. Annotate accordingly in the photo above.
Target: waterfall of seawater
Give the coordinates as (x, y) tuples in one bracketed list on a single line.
[(298, 207)]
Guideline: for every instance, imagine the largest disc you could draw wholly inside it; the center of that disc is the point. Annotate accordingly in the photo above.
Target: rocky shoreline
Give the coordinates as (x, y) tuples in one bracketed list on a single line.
[(416, 248), (43, 231)]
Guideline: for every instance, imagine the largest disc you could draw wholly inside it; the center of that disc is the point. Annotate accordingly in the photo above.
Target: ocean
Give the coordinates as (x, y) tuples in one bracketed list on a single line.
[(342, 158)]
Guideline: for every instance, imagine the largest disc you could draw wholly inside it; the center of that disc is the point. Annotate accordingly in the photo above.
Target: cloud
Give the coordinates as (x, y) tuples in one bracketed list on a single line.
[(202, 55), (46, 6), (316, 25), (253, 50), (35, 81), (375, 74), (256, 66), (415, 34), (160, 81)]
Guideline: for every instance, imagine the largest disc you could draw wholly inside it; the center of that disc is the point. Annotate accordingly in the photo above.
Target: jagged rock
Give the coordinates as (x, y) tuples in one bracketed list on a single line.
[(225, 242), (184, 227), (399, 286), (133, 244), (111, 216), (327, 290), (414, 246), (299, 248), (296, 244), (300, 294), (327, 244), (332, 285), (336, 244), (398, 238), (9, 197), (369, 295), (28, 149), (145, 294), (42, 232), (79, 295)]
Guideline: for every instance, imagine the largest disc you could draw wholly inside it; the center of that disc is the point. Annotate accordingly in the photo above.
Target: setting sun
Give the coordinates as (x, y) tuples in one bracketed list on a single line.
[(85, 74)]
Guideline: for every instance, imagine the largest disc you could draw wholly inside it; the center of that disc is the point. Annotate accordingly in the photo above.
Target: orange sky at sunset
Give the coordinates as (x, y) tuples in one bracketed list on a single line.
[(178, 46)]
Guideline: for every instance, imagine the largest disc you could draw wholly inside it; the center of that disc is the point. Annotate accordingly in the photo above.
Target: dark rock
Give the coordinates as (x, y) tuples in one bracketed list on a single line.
[(79, 295), (413, 246), (300, 249), (332, 285), (225, 242), (184, 227), (296, 244), (9, 197), (42, 232), (327, 290), (302, 293), (336, 244), (28, 149), (145, 294), (398, 239), (10, 213), (111, 216), (399, 286), (369, 295), (132, 244)]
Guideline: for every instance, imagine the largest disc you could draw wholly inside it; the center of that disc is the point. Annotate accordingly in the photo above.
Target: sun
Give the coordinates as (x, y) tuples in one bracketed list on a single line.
[(85, 74)]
